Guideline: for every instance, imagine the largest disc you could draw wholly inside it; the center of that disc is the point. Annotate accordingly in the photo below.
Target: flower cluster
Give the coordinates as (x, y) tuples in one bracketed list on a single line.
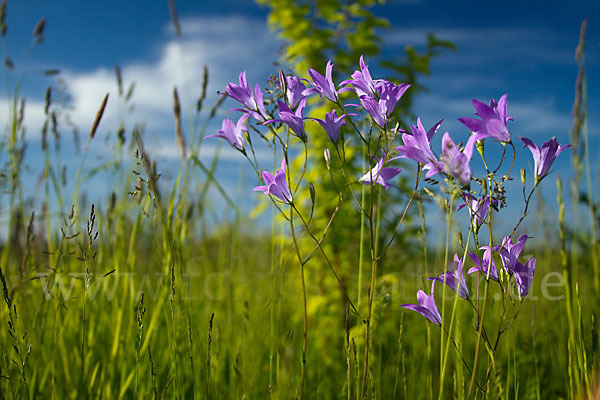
[(376, 100), (508, 252)]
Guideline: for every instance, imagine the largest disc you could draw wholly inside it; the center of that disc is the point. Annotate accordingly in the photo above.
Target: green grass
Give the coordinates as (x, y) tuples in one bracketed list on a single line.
[(133, 297)]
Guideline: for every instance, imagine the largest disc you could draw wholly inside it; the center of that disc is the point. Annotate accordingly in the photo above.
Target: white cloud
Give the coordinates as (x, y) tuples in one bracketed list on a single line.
[(34, 116), (227, 45)]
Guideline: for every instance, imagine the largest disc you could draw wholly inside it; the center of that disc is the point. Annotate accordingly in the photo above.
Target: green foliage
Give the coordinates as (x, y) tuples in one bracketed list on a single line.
[(134, 298), (313, 32)]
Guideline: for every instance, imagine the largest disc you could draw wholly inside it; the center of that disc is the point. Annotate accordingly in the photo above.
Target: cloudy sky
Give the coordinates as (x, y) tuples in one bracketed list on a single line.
[(525, 49)]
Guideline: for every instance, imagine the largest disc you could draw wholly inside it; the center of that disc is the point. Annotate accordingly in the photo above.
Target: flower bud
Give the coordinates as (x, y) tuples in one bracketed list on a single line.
[(480, 147), (523, 176), (327, 156), (282, 83)]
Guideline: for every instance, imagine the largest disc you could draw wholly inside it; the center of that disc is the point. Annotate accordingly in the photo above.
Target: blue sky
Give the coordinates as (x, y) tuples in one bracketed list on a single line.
[(521, 48)]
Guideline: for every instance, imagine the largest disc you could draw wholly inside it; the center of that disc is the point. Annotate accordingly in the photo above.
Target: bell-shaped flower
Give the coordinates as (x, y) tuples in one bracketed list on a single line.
[(478, 208), (381, 105), (524, 276), (426, 306), (276, 185), (417, 146), (482, 264), (456, 162), (543, 158), (234, 134), (361, 83), (390, 94), (332, 124), (322, 84), (509, 251), (379, 174), (252, 102), (454, 278), (493, 122), (377, 109), (294, 90), (292, 119)]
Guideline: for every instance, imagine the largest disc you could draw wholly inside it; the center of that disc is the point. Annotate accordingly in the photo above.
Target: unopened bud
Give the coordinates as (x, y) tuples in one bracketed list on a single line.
[(480, 147), (282, 82), (523, 176), (311, 189), (327, 156)]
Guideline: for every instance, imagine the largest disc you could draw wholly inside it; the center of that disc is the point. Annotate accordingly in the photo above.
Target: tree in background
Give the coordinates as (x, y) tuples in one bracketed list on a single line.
[(343, 31)]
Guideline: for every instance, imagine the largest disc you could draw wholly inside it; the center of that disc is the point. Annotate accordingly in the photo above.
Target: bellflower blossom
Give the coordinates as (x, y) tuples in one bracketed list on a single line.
[(332, 124), (456, 162), (454, 278), (321, 84), (294, 90), (234, 134), (252, 102), (483, 263), (379, 174), (361, 83), (377, 109), (543, 158), (276, 185), (417, 146), (478, 208), (524, 276), (389, 95), (426, 306), (509, 254), (493, 122), (509, 251), (292, 119)]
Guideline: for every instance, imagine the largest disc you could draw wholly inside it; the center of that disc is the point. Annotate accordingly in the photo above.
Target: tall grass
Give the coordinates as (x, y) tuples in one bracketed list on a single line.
[(131, 297)]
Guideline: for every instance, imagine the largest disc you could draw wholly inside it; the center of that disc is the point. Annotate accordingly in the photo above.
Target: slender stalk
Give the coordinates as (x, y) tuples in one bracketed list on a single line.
[(456, 296), (305, 312)]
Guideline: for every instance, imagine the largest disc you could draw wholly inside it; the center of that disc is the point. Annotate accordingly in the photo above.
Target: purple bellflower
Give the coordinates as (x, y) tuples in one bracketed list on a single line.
[(321, 84), (361, 83), (426, 306), (377, 109), (276, 185), (294, 90), (378, 97), (493, 122), (417, 146), (543, 158), (332, 124), (509, 254), (454, 278), (379, 89), (390, 94), (483, 264), (234, 134), (292, 119), (456, 162), (252, 102), (524, 276), (379, 174), (478, 208), (509, 251)]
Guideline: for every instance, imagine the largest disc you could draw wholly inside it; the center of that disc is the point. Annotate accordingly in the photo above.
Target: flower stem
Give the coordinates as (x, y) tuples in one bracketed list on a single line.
[(305, 328)]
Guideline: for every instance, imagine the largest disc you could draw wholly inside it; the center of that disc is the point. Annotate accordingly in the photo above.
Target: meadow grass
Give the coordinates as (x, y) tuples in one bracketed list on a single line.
[(135, 297)]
